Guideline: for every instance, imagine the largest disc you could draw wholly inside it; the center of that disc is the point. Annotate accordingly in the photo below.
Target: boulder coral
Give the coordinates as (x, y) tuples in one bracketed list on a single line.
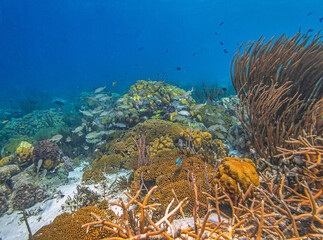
[(46, 155), (235, 171)]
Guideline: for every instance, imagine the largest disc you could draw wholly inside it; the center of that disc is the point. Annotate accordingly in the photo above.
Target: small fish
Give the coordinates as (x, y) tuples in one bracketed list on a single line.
[(299, 29), (114, 83), (60, 103), (4, 121), (178, 69), (98, 90), (225, 51), (194, 54), (215, 33), (310, 30), (78, 129), (184, 113), (186, 94), (97, 150), (321, 19), (198, 106), (86, 113), (310, 13), (221, 43), (224, 89), (166, 50), (221, 23), (22, 127), (139, 49), (179, 161)]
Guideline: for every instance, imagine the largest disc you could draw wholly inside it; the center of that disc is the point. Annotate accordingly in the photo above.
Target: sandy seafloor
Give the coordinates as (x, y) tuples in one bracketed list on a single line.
[(12, 227)]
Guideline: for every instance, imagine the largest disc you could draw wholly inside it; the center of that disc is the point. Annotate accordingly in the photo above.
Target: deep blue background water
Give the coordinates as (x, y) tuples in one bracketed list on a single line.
[(62, 47)]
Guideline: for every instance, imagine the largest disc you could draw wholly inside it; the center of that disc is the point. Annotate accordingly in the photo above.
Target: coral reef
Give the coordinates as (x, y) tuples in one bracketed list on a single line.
[(26, 196), (69, 226), (24, 153), (83, 197), (7, 171), (30, 124), (46, 155), (108, 163), (91, 176)]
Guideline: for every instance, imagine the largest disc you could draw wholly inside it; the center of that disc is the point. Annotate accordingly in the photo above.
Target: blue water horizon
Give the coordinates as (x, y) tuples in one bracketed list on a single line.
[(61, 48)]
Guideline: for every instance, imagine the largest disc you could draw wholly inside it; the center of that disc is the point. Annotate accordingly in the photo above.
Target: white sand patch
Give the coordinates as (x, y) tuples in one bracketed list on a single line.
[(12, 227)]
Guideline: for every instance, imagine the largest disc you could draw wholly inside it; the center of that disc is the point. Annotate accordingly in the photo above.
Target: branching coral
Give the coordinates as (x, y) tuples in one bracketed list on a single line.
[(145, 227), (280, 87)]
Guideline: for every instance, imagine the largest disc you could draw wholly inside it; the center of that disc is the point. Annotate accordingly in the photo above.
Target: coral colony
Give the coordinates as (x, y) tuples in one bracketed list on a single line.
[(204, 167)]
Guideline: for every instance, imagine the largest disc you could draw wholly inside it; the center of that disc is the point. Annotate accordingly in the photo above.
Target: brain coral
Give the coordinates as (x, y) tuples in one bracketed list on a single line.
[(235, 170)]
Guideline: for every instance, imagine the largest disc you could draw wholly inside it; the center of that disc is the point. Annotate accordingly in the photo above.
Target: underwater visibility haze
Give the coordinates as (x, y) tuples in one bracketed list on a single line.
[(170, 119)]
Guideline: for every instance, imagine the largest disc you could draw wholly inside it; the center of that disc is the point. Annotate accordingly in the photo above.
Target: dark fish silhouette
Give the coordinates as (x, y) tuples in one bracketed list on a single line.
[(310, 13), (166, 50), (139, 49), (321, 19), (221, 43), (299, 29), (215, 33), (224, 89), (225, 51), (60, 103), (221, 23), (194, 54), (178, 68), (310, 30)]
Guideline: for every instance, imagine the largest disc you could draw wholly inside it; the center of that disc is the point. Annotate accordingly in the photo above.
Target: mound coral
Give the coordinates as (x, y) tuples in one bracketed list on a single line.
[(46, 155), (236, 174)]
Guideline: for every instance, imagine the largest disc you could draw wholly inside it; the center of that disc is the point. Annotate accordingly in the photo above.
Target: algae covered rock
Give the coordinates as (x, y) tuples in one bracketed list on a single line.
[(26, 196), (234, 171), (6, 172), (92, 176), (108, 163)]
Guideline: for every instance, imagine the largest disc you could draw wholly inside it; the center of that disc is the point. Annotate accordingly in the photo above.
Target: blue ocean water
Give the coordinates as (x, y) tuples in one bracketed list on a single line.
[(63, 47)]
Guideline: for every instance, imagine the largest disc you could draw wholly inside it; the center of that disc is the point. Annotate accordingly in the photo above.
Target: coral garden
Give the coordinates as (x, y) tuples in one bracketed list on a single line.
[(238, 167)]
